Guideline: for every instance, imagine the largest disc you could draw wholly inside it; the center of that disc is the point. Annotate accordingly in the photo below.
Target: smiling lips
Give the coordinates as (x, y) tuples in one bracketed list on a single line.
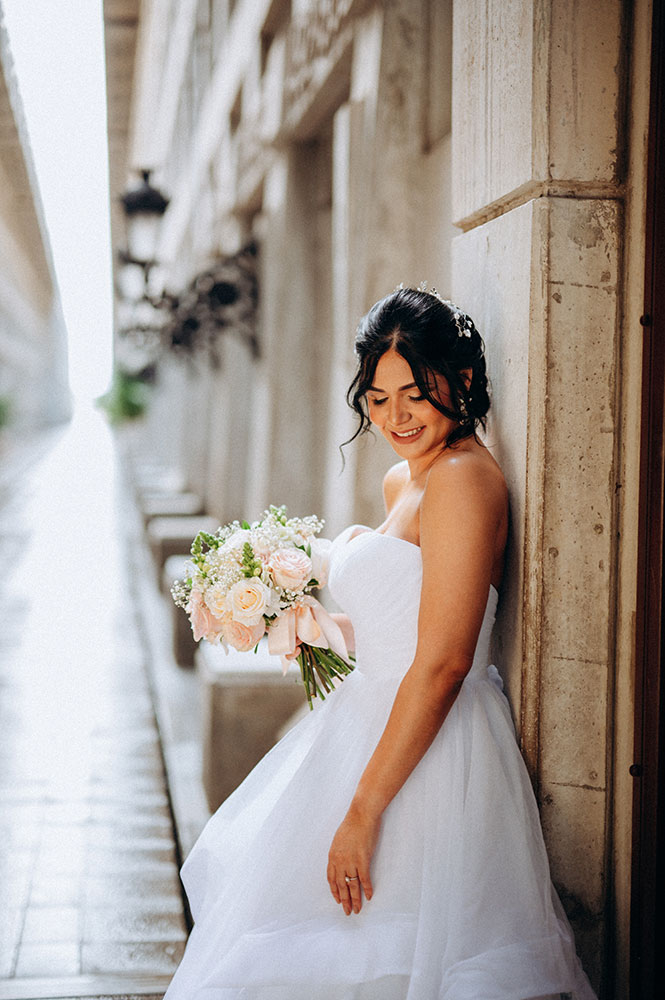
[(408, 435)]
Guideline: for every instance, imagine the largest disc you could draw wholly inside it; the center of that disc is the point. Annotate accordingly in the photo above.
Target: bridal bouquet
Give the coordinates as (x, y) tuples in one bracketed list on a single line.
[(247, 580)]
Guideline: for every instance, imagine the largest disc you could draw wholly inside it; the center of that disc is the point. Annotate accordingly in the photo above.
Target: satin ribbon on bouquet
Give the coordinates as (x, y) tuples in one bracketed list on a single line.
[(308, 623)]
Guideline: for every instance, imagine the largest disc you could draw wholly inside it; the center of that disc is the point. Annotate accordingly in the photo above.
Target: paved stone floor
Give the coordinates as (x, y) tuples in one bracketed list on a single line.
[(90, 901)]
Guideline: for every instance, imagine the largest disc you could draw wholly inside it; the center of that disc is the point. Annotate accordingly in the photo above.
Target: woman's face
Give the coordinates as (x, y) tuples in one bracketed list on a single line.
[(406, 419)]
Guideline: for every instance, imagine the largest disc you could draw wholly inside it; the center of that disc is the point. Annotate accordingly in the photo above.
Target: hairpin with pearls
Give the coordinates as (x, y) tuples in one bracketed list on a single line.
[(463, 322)]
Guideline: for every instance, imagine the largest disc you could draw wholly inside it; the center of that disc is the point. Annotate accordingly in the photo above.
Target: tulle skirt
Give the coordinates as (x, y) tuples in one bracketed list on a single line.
[(463, 906)]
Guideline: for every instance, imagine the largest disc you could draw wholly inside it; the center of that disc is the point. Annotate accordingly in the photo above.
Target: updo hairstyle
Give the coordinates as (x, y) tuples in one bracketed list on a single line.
[(423, 330)]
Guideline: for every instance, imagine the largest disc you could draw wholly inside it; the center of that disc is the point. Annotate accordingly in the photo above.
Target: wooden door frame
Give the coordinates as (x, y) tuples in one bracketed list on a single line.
[(648, 769)]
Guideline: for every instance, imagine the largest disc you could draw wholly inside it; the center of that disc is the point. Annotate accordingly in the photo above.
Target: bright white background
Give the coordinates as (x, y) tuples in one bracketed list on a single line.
[(58, 53)]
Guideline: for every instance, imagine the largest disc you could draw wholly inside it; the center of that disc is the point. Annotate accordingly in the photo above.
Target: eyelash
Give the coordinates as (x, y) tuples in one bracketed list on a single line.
[(414, 399)]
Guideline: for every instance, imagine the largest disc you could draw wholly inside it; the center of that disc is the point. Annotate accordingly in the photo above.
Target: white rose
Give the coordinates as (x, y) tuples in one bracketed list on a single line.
[(237, 539), (215, 600), (248, 600), (320, 559)]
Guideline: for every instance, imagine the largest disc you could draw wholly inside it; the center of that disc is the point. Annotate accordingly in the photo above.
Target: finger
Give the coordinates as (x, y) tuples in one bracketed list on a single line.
[(365, 880), (354, 892), (344, 895), (332, 882)]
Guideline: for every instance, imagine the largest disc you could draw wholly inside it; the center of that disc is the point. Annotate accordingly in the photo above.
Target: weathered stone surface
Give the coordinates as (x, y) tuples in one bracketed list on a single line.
[(586, 53), (573, 722), (574, 826), (541, 282), (492, 281), (492, 101), (578, 542), (540, 108)]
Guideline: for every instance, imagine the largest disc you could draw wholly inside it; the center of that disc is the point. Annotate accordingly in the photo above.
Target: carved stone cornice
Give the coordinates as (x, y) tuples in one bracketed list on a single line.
[(315, 42)]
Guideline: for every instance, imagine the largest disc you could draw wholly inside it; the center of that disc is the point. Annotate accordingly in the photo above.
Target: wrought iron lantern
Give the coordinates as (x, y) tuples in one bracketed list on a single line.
[(144, 207)]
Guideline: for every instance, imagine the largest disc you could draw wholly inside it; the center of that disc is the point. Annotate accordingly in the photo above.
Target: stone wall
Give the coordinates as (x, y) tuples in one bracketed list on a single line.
[(33, 352), (539, 168)]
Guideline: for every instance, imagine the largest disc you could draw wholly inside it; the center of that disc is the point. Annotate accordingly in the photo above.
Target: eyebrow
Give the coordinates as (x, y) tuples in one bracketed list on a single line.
[(411, 385)]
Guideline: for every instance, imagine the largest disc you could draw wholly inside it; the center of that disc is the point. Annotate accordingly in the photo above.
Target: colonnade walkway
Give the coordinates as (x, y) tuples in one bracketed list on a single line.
[(90, 902)]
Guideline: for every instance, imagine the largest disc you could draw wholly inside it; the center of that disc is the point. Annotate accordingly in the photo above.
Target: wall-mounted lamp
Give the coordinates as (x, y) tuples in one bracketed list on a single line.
[(144, 207)]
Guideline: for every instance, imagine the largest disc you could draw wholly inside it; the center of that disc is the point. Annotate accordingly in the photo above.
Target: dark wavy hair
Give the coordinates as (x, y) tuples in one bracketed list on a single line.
[(423, 330)]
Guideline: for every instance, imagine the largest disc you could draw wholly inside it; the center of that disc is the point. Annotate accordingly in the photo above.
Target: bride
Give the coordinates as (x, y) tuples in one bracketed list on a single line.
[(389, 846)]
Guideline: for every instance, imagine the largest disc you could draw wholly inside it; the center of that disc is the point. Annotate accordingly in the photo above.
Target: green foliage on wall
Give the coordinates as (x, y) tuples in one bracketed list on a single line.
[(127, 398), (5, 411)]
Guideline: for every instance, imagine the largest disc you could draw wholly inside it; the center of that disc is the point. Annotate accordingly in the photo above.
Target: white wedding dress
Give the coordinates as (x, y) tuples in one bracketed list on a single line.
[(463, 907)]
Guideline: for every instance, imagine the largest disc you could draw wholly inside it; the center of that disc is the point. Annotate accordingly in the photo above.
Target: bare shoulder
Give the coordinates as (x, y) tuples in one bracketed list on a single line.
[(468, 479), (394, 482)]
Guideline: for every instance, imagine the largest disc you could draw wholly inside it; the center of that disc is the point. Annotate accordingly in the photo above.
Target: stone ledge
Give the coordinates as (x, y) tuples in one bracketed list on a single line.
[(540, 189), (247, 703), (173, 536), (111, 984), (162, 503)]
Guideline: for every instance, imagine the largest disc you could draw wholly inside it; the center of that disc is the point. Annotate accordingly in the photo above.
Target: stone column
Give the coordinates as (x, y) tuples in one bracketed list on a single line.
[(293, 374), (538, 140), (391, 214)]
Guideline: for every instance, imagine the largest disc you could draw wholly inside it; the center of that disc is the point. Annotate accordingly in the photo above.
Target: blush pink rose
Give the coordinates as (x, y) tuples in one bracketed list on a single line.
[(204, 623), (291, 568), (243, 637)]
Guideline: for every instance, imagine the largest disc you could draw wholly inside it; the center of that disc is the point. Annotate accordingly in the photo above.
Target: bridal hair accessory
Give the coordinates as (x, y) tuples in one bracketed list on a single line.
[(249, 580), (463, 322)]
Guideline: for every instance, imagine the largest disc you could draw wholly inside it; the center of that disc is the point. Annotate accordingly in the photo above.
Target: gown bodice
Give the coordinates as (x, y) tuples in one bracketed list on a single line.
[(376, 580)]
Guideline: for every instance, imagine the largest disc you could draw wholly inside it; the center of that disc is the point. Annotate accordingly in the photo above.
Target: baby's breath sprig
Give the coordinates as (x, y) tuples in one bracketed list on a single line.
[(276, 514), (181, 591)]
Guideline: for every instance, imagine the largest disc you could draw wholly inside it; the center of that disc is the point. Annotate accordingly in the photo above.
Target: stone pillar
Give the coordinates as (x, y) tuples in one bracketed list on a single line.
[(199, 444), (538, 141), (386, 180), (293, 374)]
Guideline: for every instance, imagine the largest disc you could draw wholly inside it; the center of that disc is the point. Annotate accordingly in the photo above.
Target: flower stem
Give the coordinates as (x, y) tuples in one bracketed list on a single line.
[(319, 669)]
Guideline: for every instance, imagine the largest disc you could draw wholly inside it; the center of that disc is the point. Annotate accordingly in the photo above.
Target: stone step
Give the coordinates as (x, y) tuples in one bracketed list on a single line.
[(183, 644), (160, 503), (111, 985), (173, 536), (247, 701)]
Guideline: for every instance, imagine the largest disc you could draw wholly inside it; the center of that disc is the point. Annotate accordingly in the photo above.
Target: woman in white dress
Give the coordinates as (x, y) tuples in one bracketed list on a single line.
[(389, 847)]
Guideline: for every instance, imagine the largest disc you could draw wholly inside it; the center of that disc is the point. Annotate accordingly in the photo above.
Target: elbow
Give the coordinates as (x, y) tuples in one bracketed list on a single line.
[(446, 680)]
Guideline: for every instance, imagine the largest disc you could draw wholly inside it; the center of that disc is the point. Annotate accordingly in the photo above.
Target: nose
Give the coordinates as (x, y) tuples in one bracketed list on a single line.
[(398, 412)]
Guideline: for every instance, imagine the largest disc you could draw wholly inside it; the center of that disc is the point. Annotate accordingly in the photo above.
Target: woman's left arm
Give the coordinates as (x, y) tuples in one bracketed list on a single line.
[(459, 520)]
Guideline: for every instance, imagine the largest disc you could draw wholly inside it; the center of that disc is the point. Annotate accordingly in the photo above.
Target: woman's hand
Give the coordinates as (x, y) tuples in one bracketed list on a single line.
[(350, 855)]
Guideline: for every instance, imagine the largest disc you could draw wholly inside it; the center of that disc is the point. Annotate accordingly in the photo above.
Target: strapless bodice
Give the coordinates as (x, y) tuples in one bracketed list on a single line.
[(376, 580)]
